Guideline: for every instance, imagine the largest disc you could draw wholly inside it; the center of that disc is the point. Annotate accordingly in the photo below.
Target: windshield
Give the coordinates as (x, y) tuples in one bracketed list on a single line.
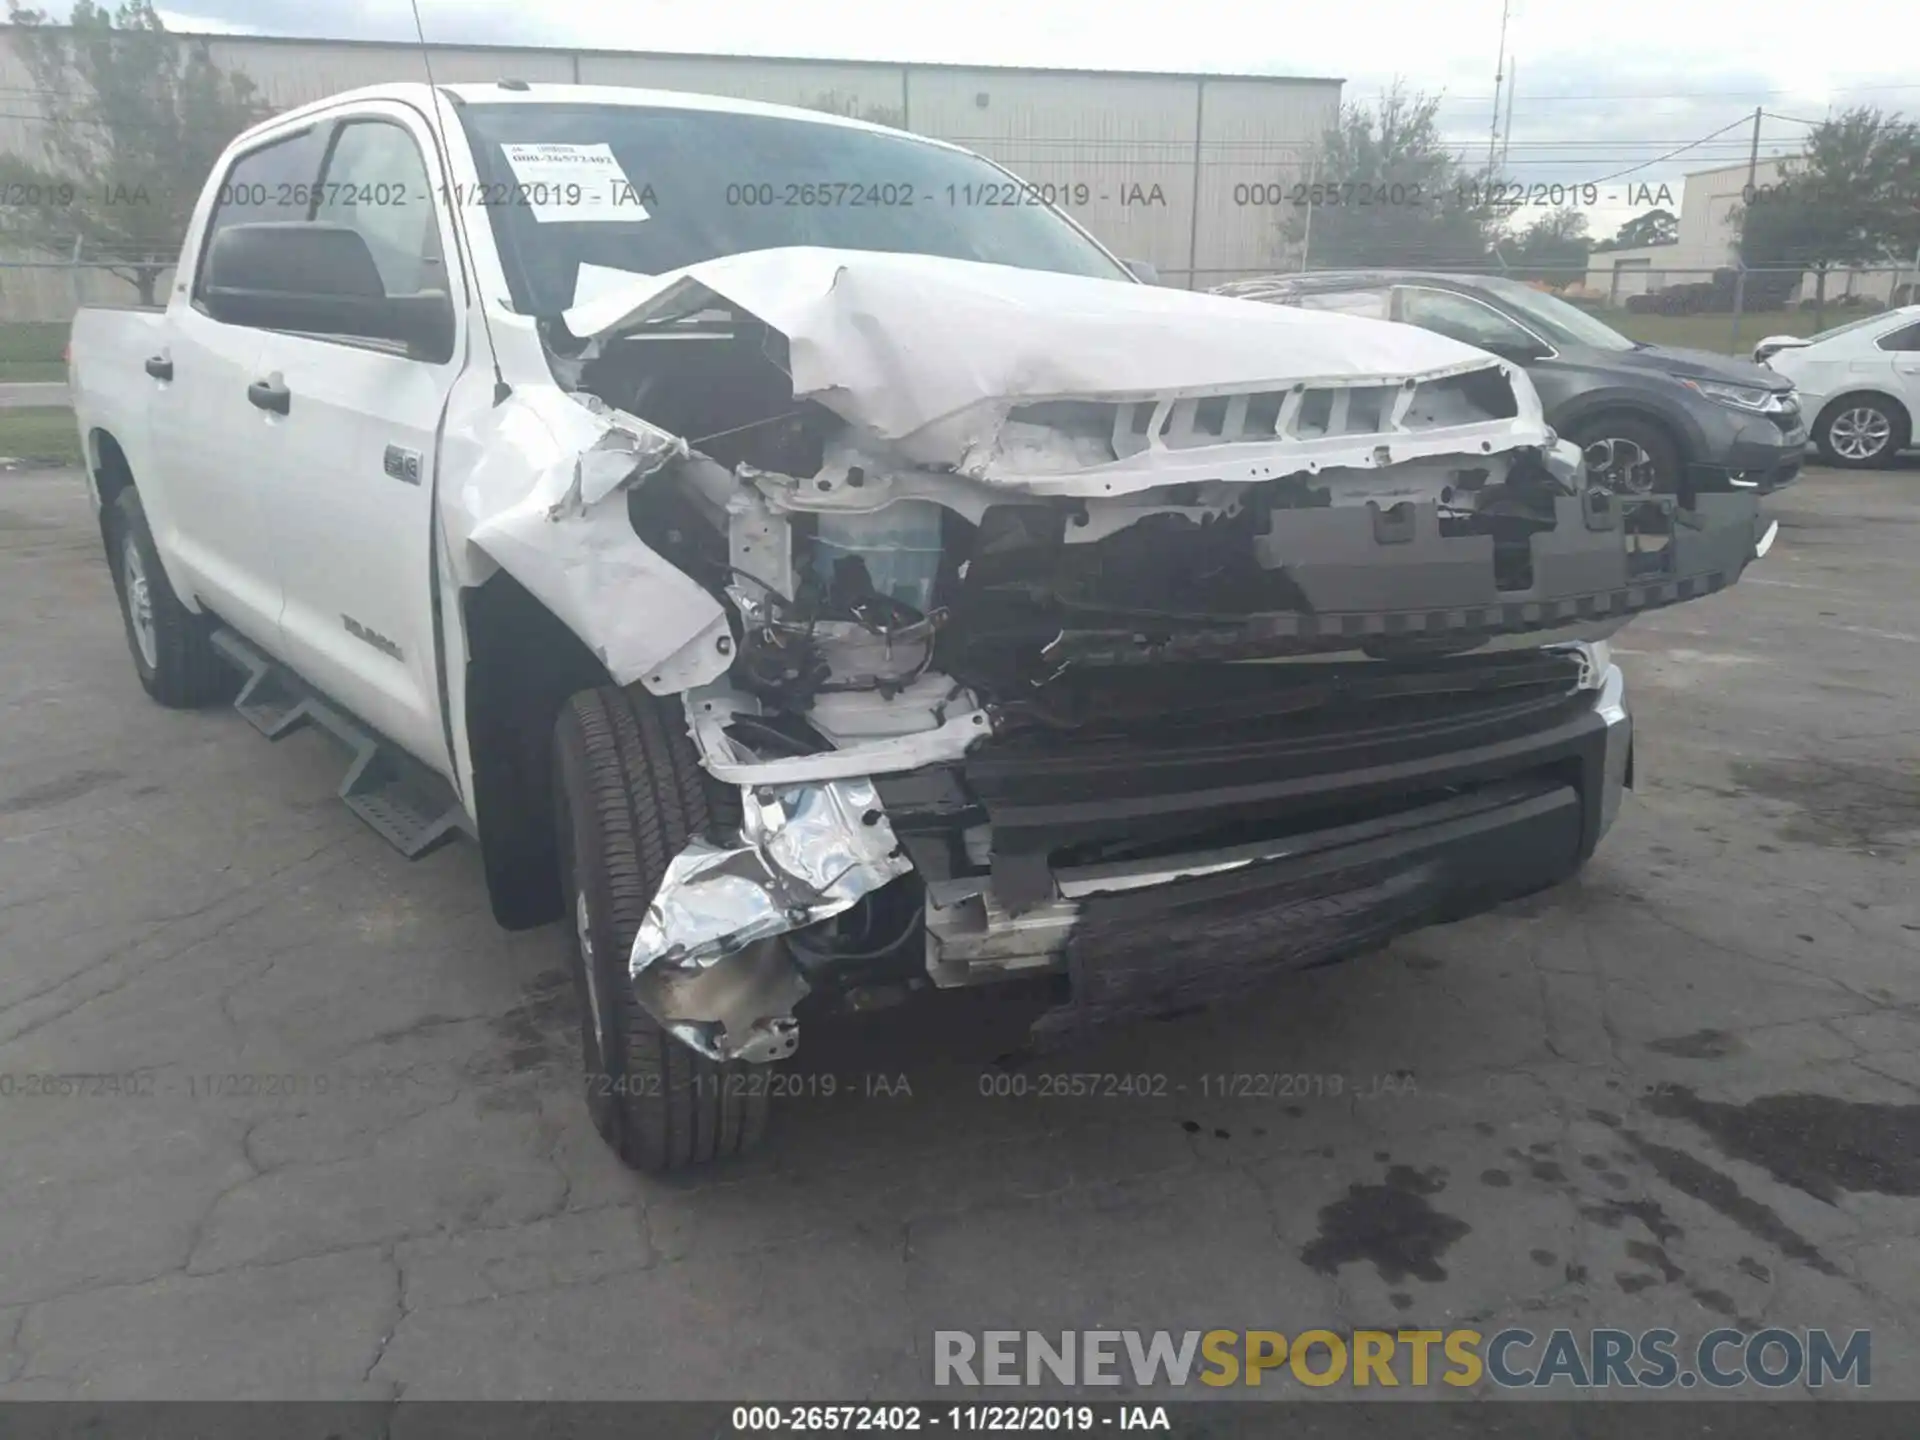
[(638, 189), (1557, 321)]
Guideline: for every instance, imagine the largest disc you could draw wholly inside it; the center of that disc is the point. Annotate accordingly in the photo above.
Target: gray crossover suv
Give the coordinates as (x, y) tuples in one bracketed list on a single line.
[(1652, 420)]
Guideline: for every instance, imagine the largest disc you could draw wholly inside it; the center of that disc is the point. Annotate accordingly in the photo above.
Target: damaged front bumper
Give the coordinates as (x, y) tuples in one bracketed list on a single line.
[(1484, 822), (1517, 807), (701, 963)]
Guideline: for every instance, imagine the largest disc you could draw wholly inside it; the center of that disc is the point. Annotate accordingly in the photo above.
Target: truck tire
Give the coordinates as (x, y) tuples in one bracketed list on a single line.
[(172, 649), (629, 793)]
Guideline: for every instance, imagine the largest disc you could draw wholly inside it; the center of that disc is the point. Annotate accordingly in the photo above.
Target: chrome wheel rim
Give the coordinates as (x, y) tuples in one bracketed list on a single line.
[(139, 602), (1860, 433), (1621, 466), (583, 931)]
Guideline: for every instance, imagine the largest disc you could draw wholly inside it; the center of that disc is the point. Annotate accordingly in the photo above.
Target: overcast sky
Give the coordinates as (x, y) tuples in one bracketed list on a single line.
[(1600, 87)]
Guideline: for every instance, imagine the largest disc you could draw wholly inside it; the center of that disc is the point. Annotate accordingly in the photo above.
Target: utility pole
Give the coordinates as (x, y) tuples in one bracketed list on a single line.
[(1499, 74), (1506, 137), (1747, 198), (1306, 239)]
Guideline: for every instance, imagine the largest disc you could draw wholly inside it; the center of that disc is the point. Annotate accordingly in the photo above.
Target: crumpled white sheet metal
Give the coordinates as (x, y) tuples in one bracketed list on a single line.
[(898, 343), (541, 501), (806, 853)]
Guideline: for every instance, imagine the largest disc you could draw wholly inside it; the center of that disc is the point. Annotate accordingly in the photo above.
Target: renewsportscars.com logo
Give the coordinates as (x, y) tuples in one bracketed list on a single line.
[(1511, 1359)]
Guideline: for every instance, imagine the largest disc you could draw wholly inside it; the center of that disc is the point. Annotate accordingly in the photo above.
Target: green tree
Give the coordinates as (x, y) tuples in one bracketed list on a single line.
[(133, 122), (1554, 248), (1659, 226), (1851, 198), (1421, 206)]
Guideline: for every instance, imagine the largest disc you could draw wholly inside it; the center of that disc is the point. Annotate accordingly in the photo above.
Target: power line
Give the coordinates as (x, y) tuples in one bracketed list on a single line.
[(1645, 164)]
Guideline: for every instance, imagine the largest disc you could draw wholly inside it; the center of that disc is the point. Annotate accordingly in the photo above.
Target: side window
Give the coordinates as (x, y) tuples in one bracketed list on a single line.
[(1368, 304), (1460, 318), (272, 183), (376, 182), (1906, 339)]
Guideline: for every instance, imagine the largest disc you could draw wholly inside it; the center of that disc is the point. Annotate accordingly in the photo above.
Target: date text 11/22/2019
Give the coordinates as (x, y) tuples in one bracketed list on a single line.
[(1467, 195)]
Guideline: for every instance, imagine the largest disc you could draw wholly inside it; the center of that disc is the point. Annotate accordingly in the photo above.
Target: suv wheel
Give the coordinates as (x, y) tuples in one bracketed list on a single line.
[(1858, 431), (1629, 456), (629, 793)]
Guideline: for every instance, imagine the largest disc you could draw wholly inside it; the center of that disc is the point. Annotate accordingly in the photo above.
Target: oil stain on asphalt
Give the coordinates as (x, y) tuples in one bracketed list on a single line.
[(58, 792), (1816, 1143), (1391, 1224), (1864, 809)]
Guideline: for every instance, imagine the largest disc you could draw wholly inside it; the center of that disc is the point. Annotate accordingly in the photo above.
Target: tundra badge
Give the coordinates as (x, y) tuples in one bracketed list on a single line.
[(372, 637), (403, 465)]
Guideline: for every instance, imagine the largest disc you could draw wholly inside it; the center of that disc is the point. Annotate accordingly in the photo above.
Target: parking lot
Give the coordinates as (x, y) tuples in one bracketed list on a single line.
[(332, 1145)]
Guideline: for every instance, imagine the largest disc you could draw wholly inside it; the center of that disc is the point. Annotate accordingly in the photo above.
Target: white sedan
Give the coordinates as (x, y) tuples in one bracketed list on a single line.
[(1859, 381)]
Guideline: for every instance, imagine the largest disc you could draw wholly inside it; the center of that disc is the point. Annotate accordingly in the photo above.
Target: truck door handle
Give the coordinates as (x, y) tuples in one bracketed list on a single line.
[(270, 395), (160, 367)]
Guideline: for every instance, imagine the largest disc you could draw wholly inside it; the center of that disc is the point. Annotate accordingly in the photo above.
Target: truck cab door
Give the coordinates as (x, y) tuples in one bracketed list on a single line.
[(210, 446), (353, 516)]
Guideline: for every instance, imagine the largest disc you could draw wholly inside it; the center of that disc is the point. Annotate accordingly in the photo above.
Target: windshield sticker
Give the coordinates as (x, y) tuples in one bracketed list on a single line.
[(573, 183)]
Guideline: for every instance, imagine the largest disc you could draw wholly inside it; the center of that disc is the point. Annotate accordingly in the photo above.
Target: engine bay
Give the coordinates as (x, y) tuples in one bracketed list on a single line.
[(876, 596)]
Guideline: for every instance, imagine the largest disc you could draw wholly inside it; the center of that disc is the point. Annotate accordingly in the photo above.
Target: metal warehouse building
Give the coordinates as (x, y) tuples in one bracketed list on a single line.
[(1709, 240), (1163, 158)]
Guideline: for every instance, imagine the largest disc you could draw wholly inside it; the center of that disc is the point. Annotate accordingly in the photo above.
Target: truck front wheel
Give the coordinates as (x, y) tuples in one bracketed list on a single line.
[(629, 793), (172, 650)]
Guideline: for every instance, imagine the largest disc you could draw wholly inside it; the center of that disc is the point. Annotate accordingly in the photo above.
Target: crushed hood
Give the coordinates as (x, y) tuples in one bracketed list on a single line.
[(897, 343)]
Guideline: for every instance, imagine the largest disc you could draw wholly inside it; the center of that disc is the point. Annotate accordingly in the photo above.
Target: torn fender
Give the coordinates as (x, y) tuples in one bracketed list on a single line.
[(701, 963), (544, 501)]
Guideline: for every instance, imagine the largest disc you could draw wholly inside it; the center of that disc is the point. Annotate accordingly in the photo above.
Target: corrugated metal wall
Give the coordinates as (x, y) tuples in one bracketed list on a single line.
[(1120, 147), (1256, 143), (854, 87), (1154, 165)]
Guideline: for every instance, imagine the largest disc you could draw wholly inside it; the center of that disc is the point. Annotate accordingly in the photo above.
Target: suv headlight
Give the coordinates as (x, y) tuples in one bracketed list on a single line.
[(1740, 397)]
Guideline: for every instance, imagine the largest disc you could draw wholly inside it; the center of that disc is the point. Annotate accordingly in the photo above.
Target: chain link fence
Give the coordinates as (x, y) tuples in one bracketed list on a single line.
[(40, 289), (1706, 308), (1642, 288)]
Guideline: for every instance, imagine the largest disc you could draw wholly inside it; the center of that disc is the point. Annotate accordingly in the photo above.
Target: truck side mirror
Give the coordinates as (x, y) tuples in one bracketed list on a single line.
[(320, 279), (1145, 271)]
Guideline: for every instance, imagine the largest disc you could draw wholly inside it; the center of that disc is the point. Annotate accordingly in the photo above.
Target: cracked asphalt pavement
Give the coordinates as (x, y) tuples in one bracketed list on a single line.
[(333, 1145)]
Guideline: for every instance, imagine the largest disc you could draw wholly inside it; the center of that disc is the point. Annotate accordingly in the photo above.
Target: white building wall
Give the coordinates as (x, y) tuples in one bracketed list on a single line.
[(1709, 235), (853, 87), (1120, 147), (1159, 156), (1254, 137), (291, 73), (1709, 239), (1616, 274)]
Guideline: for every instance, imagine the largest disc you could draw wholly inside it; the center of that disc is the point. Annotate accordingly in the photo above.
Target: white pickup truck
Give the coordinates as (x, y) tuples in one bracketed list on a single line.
[(814, 569)]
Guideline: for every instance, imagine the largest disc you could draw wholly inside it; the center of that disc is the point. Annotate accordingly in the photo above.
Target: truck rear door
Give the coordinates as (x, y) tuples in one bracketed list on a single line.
[(355, 449)]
